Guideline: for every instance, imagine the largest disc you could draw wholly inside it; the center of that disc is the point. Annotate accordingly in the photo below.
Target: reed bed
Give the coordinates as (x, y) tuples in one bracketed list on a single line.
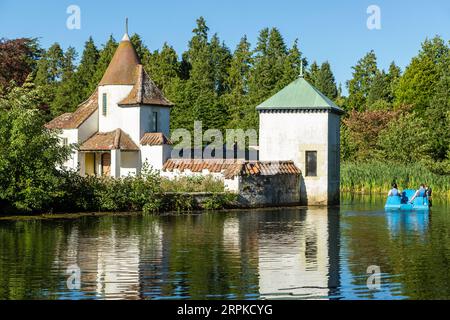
[(377, 177)]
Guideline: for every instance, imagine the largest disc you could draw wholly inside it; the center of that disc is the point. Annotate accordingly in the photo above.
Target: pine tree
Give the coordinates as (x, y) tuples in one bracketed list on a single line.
[(437, 114), (363, 76), (65, 92), (325, 82), (311, 75), (163, 67), (221, 58), (141, 49), (379, 93), (105, 57), (291, 67), (49, 67), (238, 74), (418, 83), (83, 85)]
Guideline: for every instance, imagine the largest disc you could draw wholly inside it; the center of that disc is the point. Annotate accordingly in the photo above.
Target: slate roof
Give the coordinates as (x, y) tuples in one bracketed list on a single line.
[(105, 141), (155, 139), (232, 168), (299, 95)]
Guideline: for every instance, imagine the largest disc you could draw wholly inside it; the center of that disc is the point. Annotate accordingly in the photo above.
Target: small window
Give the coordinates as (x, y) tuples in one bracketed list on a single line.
[(105, 104), (155, 121), (65, 142), (311, 163)]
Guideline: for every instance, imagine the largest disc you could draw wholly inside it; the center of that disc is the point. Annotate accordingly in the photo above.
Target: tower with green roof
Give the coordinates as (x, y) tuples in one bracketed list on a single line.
[(301, 124)]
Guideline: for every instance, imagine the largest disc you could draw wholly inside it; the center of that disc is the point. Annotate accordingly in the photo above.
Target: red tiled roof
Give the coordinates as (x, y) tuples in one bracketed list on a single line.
[(144, 91), (155, 139), (114, 140), (232, 168), (76, 119)]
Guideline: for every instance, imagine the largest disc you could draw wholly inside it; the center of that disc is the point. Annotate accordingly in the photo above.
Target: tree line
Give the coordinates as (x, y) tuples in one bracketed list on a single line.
[(392, 115)]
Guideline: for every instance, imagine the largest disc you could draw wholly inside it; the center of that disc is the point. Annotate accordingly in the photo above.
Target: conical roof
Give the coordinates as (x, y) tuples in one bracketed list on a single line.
[(121, 70), (300, 94)]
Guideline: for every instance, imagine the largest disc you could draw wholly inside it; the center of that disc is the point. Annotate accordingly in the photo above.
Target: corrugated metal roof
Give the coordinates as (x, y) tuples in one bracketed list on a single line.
[(114, 140), (155, 139), (300, 94), (232, 168)]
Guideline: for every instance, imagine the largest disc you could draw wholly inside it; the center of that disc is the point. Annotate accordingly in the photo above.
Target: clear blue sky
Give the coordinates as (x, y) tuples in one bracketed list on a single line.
[(327, 29)]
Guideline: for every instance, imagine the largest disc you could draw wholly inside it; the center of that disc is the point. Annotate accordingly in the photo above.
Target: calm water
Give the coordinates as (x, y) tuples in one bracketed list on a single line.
[(314, 253)]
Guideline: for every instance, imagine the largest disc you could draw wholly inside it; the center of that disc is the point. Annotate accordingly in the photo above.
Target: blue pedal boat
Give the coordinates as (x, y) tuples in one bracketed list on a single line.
[(402, 202)]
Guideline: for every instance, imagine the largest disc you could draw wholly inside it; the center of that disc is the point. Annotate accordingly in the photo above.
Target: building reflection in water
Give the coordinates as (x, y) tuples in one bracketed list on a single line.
[(108, 258), (299, 254), (289, 253)]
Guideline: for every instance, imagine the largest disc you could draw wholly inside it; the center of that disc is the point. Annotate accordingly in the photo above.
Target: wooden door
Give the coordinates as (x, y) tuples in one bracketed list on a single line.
[(106, 164)]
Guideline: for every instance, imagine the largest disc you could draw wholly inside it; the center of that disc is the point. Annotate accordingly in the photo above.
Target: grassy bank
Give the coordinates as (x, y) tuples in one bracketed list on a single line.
[(377, 177)]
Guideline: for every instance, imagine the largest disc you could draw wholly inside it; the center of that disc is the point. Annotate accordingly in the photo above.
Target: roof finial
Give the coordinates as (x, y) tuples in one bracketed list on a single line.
[(301, 68), (126, 37)]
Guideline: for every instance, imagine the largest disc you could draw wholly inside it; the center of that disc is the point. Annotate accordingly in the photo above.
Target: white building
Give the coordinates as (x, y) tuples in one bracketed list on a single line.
[(300, 124), (126, 123)]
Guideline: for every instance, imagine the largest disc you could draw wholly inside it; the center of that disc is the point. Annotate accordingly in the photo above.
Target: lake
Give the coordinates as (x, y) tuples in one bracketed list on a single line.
[(289, 253)]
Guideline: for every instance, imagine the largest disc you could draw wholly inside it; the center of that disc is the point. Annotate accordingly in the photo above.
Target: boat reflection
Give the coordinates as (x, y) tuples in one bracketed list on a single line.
[(413, 222)]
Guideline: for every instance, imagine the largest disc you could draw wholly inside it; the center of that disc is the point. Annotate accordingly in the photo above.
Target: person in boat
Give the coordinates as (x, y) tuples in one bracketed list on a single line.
[(429, 191), (422, 192), (394, 191)]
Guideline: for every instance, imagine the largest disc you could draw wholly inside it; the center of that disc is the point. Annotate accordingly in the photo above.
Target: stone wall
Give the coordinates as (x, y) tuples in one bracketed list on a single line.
[(273, 190)]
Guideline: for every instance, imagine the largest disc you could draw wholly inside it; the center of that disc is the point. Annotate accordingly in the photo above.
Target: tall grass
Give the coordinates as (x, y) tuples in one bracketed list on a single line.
[(377, 177)]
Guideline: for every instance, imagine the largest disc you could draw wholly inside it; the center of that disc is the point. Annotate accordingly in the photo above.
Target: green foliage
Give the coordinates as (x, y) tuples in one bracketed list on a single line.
[(419, 82), (377, 177), (323, 79), (219, 201), (29, 153), (405, 140), (360, 85), (192, 184), (105, 57)]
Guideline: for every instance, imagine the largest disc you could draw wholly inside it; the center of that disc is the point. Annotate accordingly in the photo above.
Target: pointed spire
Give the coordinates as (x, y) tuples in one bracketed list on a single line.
[(126, 37)]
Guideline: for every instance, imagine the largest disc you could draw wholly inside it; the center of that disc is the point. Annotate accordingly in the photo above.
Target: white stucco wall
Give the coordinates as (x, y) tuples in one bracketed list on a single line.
[(288, 135), (155, 156), (72, 138), (130, 164), (125, 118), (88, 128), (134, 120)]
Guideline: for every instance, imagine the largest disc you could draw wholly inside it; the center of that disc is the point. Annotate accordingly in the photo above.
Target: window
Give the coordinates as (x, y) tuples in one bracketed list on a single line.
[(155, 121), (311, 163), (65, 142), (105, 104)]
